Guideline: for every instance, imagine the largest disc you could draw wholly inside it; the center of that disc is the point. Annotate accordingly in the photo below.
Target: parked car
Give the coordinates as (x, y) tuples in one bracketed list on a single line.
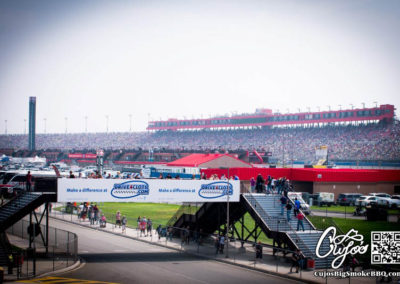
[(380, 194), (393, 202), (366, 200), (325, 198), (348, 199)]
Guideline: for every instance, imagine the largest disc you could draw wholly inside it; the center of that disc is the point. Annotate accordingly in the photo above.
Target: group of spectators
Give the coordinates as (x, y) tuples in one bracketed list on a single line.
[(145, 226), (345, 142), (270, 185), (92, 212), (287, 204)]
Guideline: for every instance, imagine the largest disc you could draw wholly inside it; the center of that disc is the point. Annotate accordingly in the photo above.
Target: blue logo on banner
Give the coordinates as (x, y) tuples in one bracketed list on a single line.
[(130, 189), (215, 189)]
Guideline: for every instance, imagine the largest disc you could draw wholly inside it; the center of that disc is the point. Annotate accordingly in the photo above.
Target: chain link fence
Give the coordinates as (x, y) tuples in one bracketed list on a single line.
[(62, 249)]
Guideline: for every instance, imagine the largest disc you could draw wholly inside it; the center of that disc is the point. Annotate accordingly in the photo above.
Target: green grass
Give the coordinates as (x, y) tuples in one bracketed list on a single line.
[(250, 224), (364, 227), (336, 208), (159, 213)]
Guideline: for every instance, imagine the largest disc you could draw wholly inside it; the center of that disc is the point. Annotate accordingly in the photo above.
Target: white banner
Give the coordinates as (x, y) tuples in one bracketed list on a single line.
[(147, 190)]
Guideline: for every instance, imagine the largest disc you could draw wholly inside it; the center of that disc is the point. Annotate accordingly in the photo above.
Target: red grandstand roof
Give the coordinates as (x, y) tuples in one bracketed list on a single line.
[(195, 160)]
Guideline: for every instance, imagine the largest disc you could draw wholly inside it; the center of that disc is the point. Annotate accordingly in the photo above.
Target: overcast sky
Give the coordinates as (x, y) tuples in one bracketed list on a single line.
[(175, 59)]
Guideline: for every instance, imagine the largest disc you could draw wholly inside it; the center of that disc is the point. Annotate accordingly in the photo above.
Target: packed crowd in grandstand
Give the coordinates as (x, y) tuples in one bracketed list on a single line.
[(345, 142)]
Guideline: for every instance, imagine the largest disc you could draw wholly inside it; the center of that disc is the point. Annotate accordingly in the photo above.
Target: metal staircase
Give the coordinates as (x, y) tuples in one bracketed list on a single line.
[(20, 206), (210, 216), (266, 211), (268, 208)]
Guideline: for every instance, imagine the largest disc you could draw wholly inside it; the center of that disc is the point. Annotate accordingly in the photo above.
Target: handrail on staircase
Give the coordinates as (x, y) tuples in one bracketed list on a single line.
[(284, 220)]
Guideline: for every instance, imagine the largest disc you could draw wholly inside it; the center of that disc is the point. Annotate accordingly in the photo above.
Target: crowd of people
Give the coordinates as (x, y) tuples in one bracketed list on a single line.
[(145, 226), (91, 212), (345, 142)]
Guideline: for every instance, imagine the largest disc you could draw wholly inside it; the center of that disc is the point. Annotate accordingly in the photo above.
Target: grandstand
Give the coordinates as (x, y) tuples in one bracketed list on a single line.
[(265, 118), (370, 142)]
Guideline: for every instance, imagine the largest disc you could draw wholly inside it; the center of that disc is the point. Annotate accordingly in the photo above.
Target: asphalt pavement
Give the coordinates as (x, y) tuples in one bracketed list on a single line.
[(112, 258)]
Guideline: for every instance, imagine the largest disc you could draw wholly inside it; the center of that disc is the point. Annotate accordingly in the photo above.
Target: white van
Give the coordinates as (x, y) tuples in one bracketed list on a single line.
[(304, 206), (325, 198)]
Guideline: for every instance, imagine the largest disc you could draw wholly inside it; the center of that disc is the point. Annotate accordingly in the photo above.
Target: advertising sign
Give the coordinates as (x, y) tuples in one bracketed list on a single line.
[(82, 156), (147, 190)]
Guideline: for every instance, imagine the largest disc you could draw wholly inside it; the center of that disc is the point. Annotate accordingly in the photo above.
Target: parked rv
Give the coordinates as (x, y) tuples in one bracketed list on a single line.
[(325, 198)]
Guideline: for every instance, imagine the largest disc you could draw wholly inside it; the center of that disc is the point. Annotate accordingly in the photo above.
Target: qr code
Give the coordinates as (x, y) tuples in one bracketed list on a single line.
[(385, 247)]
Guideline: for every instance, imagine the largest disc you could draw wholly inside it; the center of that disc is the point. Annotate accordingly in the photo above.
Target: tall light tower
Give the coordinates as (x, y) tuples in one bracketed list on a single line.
[(24, 126), (32, 124), (107, 117), (130, 122), (5, 130), (45, 120)]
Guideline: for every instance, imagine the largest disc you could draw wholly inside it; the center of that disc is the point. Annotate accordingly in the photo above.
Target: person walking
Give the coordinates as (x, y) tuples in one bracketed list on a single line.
[(288, 210), (143, 225), (216, 243), (124, 221), (252, 184), (300, 218), (259, 250), (92, 216), (149, 227), (170, 233), (269, 184), (118, 219), (260, 183), (221, 244), (296, 258), (283, 201), (28, 181), (296, 207), (96, 214)]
